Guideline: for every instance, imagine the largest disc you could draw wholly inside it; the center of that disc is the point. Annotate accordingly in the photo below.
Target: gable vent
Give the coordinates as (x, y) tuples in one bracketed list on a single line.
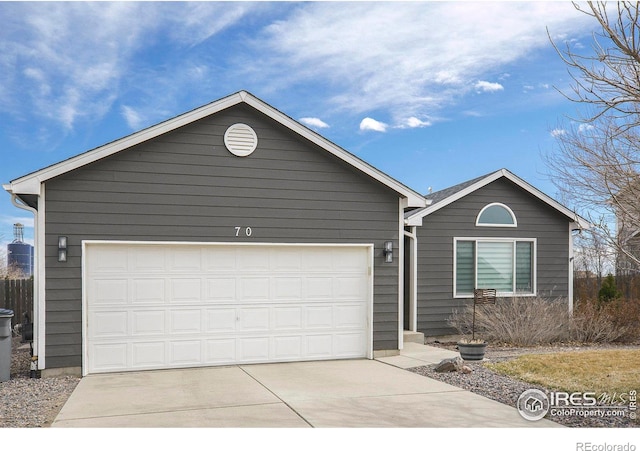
[(240, 140)]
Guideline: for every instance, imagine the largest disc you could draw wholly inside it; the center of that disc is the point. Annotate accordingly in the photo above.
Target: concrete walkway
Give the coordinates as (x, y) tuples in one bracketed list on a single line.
[(328, 394)]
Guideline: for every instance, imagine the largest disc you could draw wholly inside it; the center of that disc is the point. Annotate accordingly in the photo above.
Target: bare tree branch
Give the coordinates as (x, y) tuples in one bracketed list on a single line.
[(597, 166)]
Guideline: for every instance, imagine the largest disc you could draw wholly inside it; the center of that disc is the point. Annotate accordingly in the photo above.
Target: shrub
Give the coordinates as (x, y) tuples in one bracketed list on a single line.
[(527, 321), (521, 321), (609, 291), (597, 322)]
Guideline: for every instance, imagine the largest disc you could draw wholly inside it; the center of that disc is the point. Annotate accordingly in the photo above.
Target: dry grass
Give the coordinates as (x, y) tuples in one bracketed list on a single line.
[(602, 371)]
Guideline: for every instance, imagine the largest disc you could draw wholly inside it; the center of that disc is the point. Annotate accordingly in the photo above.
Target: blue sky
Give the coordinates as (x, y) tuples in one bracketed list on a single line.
[(432, 93)]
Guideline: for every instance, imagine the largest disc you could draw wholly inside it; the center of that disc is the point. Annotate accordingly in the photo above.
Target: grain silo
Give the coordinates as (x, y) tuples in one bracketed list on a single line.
[(19, 253)]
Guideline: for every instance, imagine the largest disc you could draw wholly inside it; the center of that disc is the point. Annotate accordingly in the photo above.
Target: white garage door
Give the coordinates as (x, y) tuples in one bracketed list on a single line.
[(153, 305)]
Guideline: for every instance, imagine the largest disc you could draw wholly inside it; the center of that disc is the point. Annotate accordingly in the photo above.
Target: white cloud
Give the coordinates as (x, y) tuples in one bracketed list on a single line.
[(71, 61), (558, 132), (314, 122), (414, 122), (26, 221), (486, 86), (76, 56), (412, 58), (582, 128), (371, 124), (133, 118)]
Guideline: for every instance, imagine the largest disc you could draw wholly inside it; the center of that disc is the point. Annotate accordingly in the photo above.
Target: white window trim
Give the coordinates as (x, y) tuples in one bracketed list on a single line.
[(534, 264), (479, 224)]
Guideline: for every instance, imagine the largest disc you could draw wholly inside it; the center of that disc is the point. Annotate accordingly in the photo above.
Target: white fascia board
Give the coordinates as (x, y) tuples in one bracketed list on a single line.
[(30, 184), (416, 219)]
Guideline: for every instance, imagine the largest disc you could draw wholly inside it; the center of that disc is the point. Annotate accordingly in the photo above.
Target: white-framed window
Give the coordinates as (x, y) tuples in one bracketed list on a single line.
[(506, 264), (496, 215)]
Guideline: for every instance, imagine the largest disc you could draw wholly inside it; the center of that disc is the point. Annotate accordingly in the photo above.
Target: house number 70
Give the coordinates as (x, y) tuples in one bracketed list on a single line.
[(247, 230)]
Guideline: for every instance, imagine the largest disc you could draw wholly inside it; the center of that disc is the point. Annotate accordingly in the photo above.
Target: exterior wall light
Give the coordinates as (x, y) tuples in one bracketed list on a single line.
[(62, 248), (388, 251)]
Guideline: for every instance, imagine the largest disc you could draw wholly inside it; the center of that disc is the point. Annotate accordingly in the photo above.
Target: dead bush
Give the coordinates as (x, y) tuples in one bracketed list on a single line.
[(521, 321), (605, 322), (527, 321)]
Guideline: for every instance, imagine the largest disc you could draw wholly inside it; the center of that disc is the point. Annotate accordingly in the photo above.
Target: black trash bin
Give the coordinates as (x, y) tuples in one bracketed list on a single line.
[(5, 344)]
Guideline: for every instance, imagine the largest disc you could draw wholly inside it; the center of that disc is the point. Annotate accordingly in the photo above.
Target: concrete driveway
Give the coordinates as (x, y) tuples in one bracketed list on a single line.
[(341, 393)]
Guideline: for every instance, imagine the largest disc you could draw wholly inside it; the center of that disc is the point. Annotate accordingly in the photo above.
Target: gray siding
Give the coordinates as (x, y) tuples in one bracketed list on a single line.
[(435, 248), (185, 186)]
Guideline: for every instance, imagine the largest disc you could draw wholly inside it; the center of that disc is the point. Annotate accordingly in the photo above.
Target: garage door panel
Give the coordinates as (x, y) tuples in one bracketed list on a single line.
[(185, 290), (287, 288), (148, 354), (220, 351), (148, 291), (254, 349), (346, 261), (109, 291), (350, 288), (220, 320), (150, 259), (185, 321), (173, 305), (349, 316), (109, 356), (108, 260), (319, 346), (185, 353), (287, 318), (148, 322), (109, 324), (221, 289), (319, 317), (185, 260), (219, 259), (287, 348), (318, 288), (254, 289), (317, 260), (253, 318), (347, 344), (286, 260), (254, 259)]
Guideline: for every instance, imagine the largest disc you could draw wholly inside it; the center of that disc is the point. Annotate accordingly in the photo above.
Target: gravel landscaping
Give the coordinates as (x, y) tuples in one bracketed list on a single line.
[(506, 390), (27, 402)]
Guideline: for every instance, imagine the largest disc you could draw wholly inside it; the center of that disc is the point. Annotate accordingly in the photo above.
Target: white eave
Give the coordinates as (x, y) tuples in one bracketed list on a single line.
[(414, 218), (30, 183)]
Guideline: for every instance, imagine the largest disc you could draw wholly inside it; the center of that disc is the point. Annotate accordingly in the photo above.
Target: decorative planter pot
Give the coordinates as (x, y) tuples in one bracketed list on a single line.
[(472, 351)]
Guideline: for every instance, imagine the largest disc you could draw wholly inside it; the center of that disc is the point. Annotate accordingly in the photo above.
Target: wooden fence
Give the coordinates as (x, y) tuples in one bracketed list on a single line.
[(17, 295)]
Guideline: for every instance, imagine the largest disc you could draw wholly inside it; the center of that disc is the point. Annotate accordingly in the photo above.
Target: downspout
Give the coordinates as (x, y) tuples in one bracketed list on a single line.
[(36, 281), (571, 266), (413, 278)]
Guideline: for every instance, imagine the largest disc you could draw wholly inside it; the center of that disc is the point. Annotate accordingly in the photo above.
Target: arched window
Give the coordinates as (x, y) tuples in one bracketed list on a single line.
[(496, 215)]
